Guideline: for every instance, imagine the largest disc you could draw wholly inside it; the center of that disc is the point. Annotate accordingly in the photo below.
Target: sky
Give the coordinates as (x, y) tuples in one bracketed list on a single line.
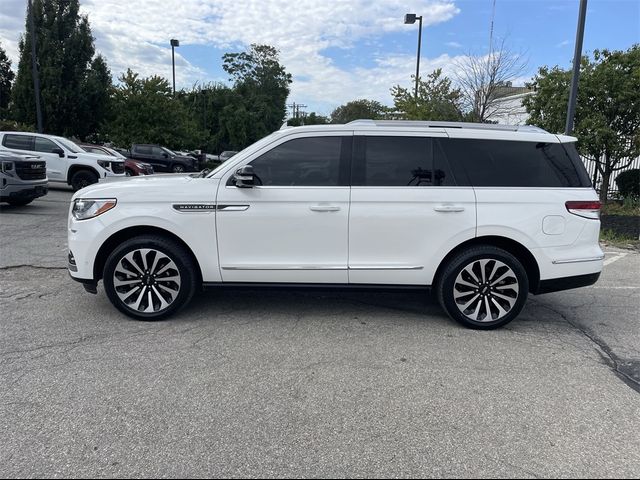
[(336, 50)]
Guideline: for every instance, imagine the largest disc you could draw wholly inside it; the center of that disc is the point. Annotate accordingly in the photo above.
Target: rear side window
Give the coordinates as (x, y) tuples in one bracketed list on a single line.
[(307, 162), (45, 145), (497, 163), (393, 161), (19, 142), (143, 150)]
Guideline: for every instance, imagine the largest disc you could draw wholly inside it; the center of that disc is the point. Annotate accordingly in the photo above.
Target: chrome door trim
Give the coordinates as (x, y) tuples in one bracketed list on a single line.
[(283, 267), (386, 267)]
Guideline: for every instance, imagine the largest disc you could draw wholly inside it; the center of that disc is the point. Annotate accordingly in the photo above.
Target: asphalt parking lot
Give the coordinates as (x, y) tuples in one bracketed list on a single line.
[(315, 383)]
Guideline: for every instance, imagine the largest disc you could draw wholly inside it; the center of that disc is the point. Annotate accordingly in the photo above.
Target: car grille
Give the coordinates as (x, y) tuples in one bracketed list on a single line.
[(31, 170), (117, 167)]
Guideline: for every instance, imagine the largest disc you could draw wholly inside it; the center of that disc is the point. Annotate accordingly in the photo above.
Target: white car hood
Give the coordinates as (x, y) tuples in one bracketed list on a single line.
[(154, 188)]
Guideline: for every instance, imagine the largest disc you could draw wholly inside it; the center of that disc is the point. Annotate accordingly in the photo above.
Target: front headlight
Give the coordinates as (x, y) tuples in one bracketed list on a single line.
[(83, 209), (104, 164)]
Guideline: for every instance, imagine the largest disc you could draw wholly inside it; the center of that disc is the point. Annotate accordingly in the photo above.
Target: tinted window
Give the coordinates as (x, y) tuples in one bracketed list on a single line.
[(496, 163), (313, 161), (143, 150), (19, 142), (158, 152), (44, 145), (401, 162)]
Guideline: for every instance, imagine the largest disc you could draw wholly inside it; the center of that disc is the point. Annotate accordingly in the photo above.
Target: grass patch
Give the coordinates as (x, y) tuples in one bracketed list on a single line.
[(609, 237), (629, 207)]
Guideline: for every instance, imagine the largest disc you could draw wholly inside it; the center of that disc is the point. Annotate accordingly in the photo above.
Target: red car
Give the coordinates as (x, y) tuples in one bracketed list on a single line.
[(131, 167)]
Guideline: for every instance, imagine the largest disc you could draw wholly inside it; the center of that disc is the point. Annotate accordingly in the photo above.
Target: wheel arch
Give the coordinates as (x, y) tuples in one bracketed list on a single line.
[(73, 169), (120, 236), (518, 250)]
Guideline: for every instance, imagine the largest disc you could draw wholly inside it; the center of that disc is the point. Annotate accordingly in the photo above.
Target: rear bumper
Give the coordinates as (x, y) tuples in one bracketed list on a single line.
[(566, 283)]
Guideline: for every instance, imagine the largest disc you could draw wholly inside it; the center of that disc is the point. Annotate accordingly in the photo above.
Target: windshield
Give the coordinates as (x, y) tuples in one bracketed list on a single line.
[(69, 145), (173, 154)]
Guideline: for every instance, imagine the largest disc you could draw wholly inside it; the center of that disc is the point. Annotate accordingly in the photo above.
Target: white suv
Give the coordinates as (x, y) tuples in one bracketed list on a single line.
[(66, 161), (483, 214)]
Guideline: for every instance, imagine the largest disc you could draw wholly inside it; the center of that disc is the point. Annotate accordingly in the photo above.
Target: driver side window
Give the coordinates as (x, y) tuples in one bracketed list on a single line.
[(304, 162)]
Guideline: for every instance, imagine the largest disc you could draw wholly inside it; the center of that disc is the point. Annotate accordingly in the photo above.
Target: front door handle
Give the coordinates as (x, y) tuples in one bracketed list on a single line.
[(324, 208), (449, 208)]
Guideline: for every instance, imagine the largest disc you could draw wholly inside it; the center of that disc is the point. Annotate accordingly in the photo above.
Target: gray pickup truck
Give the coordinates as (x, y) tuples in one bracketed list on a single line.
[(22, 178)]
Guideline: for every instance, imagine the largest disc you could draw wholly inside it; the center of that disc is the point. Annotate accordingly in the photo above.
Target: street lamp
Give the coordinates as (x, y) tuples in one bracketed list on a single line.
[(174, 43), (410, 19)]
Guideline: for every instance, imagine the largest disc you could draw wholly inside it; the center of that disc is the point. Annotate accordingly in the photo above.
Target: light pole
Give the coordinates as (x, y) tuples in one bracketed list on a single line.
[(34, 68), (410, 19), (174, 43), (577, 57)]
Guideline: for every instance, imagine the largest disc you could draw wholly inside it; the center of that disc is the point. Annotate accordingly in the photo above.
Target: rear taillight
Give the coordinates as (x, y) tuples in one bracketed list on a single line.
[(590, 209)]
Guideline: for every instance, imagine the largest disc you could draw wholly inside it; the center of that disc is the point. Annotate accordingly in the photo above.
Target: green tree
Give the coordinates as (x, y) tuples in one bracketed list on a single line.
[(437, 100), (147, 112), (96, 92), (263, 85), (64, 48), (358, 109), (6, 80), (607, 121), (312, 119)]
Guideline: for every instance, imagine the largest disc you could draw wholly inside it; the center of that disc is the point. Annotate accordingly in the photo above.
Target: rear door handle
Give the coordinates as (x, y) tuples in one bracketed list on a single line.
[(449, 208), (324, 208)]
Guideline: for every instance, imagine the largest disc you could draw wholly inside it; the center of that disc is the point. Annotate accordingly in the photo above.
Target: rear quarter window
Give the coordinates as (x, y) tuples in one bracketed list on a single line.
[(18, 142), (500, 163)]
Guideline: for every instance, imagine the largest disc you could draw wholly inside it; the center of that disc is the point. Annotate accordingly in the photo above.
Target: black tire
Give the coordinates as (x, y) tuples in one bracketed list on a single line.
[(144, 289), (178, 168), (20, 203), (128, 172), (505, 298), (83, 178)]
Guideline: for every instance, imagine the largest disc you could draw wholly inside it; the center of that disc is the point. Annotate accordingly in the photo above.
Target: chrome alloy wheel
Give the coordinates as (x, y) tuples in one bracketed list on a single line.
[(146, 280), (486, 290)]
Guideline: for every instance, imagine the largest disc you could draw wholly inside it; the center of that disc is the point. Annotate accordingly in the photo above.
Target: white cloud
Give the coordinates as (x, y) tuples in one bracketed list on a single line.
[(564, 43), (136, 33), (454, 44)]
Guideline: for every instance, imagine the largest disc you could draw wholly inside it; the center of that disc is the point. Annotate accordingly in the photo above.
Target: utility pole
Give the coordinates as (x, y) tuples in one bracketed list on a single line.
[(34, 68), (577, 57)]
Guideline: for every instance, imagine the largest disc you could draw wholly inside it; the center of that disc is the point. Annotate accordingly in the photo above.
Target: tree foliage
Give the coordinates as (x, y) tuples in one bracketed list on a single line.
[(607, 120), (6, 80), (262, 83), (68, 72), (436, 100), (358, 109), (147, 112)]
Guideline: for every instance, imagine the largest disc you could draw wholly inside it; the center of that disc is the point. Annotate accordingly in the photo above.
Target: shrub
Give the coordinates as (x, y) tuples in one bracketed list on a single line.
[(629, 183)]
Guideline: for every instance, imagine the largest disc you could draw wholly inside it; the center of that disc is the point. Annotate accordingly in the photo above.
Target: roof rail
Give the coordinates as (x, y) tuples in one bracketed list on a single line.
[(436, 124)]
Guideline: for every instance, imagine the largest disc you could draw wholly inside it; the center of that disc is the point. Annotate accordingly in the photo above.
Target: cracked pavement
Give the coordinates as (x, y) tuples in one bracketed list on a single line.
[(269, 383)]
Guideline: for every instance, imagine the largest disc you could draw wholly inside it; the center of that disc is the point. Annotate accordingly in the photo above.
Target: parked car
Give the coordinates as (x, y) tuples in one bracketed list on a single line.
[(162, 159), (24, 178), (482, 214), (132, 167), (66, 162)]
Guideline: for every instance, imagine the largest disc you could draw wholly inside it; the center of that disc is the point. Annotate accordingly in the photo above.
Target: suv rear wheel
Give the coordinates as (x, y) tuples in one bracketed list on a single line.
[(149, 277), (483, 287), (177, 168), (83, 178)]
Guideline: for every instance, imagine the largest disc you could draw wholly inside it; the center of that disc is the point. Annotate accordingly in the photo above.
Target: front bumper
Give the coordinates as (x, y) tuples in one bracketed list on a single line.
[(23, 191)]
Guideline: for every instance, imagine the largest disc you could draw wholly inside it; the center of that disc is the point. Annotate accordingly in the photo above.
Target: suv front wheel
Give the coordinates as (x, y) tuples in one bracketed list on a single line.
[(149, 277), (83, 178), (483, 287)]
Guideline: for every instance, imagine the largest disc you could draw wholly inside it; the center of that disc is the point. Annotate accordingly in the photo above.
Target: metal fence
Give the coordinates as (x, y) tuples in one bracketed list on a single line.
[(596, 178)]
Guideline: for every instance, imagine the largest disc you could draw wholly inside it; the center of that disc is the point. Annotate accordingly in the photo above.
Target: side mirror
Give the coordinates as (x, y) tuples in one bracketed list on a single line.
[(59, 151), (165, 155), (244, 177)]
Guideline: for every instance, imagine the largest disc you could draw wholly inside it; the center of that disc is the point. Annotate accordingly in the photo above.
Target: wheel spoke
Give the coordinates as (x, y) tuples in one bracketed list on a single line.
[(488, 317), (474, 315), (507, 274), (163, 303), (469, 270), (511, 300), (501, 311), (465, 283), (124, 296), (129, 257), (120, 283)]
